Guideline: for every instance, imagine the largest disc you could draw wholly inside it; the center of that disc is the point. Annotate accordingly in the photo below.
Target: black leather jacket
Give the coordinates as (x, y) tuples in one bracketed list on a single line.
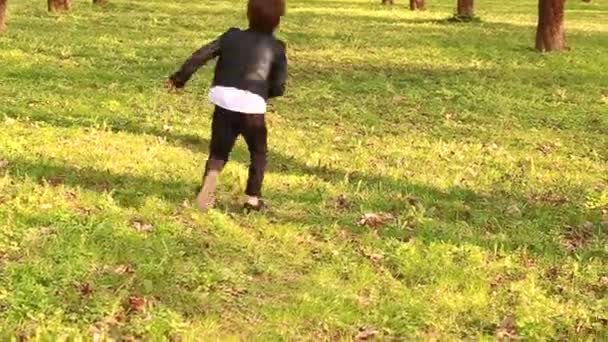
[(248, 60)]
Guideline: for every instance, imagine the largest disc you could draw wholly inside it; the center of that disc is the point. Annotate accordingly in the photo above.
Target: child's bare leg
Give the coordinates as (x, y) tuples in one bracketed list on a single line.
[(206, 196), (223, 136)]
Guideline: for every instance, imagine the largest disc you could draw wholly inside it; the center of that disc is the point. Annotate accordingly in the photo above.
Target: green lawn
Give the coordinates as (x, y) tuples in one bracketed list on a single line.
[(488, 160)]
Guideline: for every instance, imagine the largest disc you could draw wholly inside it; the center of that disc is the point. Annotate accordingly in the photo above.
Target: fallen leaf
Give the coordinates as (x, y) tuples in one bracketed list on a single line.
[(366, 334), (552, 273), (374, 257), (514, 211), (167, 128), (140, 226), (84, 211), (55, 180), (122, 269), (374, 220), (497, 282), (575, 238), (344, 234), (398, 99), (70, 195), (412, 200), (364, 298), (507, 329), (551, 198), (85, 289), (136, 304), (546, 148), (342, 203), (580, 326), (604, 281), (3, 164), (233, 291)]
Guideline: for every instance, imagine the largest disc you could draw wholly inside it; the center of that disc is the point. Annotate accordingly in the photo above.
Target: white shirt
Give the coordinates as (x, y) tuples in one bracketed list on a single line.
[(237, 100)]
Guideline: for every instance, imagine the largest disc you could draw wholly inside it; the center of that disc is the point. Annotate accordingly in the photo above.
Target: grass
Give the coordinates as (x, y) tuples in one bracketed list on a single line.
[(488, 159)]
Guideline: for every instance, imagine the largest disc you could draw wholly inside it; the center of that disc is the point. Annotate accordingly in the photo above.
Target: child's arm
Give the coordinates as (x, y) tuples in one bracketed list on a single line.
[(278, 74), (198, 59)]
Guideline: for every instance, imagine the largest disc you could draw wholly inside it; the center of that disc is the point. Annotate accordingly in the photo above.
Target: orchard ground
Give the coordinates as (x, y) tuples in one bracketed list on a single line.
[(485, 162)]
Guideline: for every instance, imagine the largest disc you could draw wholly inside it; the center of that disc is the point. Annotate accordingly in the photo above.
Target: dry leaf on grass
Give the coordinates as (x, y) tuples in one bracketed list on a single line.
[(366, 334), (55, 180), (374, 220), (71, 195), (141, 226), (575, 238), (364, 298), (122, 269), (342, 203), (3, 164), (136, 304), (550, 198), (547, 148), (374, 257), (507, 329), (84, 211), (85, 289), (398, 99)]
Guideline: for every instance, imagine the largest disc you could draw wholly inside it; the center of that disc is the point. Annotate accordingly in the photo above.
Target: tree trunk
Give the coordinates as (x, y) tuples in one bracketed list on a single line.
[(59, 5), (388, 2), (417, 5), (465, 9), (550, 34), (3, 5)]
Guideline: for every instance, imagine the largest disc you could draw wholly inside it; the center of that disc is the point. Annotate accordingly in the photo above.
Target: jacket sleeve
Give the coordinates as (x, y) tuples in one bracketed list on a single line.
[(278, 74), (198, 59)]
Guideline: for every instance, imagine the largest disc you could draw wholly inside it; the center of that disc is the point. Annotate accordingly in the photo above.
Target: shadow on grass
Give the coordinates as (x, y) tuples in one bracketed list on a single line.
[(488, 217), (489, 214)]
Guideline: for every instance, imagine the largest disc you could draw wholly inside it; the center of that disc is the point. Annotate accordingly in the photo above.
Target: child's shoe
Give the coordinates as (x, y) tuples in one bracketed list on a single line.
[(253, 204)]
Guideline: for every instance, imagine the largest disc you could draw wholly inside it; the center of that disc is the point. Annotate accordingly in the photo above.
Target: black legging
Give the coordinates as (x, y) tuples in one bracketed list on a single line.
[(225, 129)]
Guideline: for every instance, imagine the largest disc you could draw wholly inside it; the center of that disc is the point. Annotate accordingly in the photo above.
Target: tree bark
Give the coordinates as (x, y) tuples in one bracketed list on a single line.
[(550, 35), (388, 2), (59, 5), (3, 6), (417, 5), (465, 9)]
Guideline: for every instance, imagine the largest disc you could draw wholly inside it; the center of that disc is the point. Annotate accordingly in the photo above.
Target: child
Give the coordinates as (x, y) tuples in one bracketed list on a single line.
[(251, 68)]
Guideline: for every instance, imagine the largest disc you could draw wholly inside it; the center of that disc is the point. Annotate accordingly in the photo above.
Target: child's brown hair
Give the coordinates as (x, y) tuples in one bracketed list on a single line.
[(265, 15)]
